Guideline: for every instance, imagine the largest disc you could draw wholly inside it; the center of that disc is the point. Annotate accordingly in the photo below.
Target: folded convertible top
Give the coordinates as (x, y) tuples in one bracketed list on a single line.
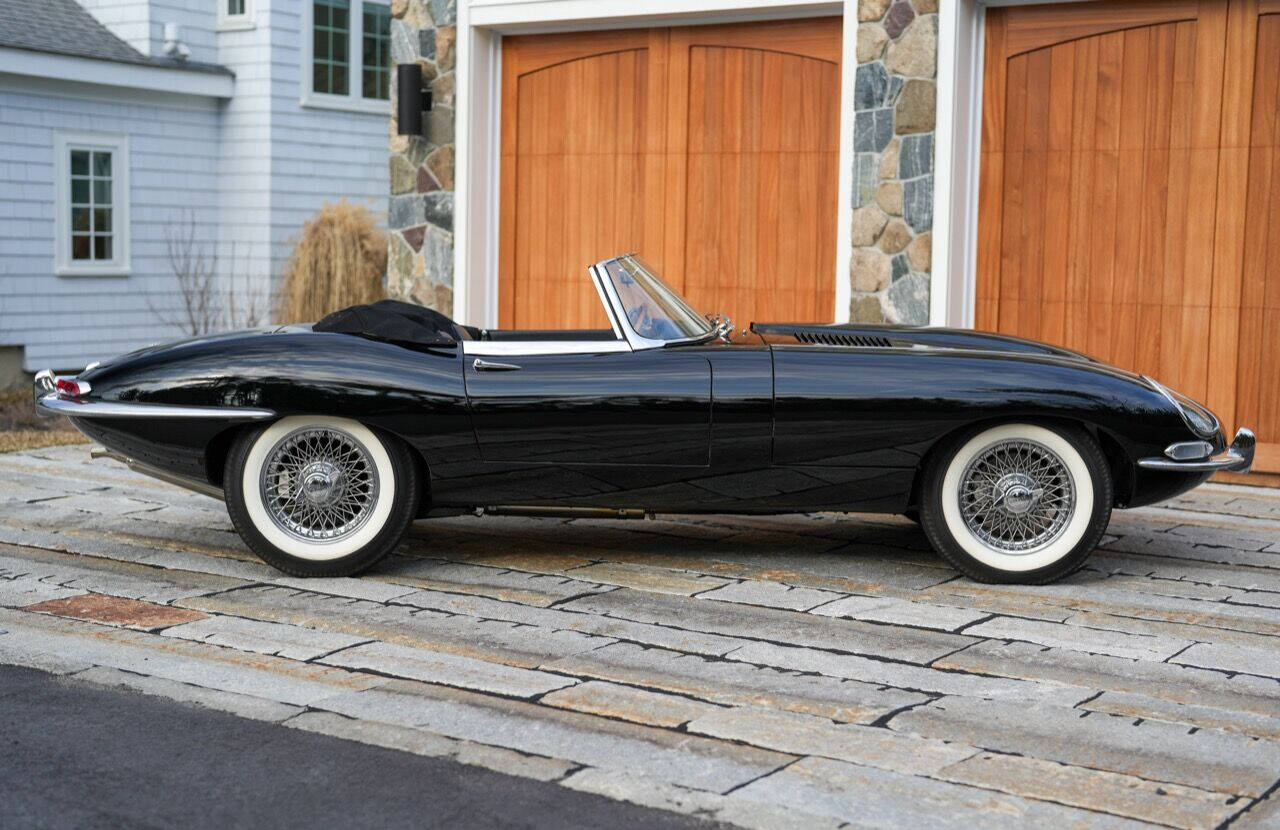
[(393, 321)]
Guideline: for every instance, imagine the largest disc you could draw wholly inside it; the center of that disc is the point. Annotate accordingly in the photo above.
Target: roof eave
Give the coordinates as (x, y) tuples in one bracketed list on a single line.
[(76, 69)]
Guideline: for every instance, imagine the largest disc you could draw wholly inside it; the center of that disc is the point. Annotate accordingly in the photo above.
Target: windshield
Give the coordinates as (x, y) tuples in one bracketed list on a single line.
[(654, 310)]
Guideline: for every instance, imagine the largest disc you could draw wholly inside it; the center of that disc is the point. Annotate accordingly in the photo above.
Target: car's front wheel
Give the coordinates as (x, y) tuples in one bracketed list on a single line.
[(320, 496), (1017, 502)]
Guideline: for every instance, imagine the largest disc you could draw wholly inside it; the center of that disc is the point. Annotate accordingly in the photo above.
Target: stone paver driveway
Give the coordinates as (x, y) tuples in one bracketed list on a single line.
[(793, 671)]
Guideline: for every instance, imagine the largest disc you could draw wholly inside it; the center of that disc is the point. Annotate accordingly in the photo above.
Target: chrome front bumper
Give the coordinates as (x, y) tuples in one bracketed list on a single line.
[(1238, 458)]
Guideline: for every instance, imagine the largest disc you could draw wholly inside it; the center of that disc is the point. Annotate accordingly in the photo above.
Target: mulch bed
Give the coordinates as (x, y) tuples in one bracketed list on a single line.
[(22, 429)]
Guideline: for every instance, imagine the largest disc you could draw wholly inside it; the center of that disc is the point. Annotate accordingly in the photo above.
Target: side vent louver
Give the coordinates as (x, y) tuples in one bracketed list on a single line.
[(833, 338)]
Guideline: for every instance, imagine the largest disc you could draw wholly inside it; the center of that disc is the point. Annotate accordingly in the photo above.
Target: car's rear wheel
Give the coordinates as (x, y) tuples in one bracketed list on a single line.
[(320, 496), (1018, 502)]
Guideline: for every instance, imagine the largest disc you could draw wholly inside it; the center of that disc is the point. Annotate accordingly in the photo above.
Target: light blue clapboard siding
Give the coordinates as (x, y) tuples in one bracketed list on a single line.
[(318, 155), (251, 169), (66, 321)]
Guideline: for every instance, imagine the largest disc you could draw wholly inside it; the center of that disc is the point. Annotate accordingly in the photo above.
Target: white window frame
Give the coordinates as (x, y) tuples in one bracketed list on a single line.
[(118, 146), (235, 22), (353, 101)]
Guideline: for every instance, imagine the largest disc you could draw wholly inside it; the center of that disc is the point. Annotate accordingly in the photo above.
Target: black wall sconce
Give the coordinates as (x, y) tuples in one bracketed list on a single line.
[(412, 99)]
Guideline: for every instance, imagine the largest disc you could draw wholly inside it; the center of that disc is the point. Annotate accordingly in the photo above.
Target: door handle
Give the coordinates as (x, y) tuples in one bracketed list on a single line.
[(488, 366)]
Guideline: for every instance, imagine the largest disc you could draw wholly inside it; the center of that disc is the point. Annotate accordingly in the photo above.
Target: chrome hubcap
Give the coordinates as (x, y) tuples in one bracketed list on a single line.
[(1017, 496), (319, 484)]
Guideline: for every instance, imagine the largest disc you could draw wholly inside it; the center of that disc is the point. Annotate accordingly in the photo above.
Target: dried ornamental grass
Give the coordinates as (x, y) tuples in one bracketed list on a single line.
[(340, 259)]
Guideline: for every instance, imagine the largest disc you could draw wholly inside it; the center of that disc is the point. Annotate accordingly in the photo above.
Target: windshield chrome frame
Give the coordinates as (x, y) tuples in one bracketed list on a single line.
[(618, 314)]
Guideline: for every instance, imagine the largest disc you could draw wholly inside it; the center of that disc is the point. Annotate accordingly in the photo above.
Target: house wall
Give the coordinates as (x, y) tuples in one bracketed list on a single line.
[(280, 161), (244, 195), (65, 322), (316, 155), (250, 170), (892, 126)]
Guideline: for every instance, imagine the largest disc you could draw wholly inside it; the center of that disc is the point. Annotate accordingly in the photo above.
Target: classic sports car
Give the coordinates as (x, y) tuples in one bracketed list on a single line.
[(327, 440)]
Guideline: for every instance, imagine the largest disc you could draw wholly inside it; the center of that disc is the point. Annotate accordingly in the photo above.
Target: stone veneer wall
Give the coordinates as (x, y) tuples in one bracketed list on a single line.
[(894, 99), (420, 214)]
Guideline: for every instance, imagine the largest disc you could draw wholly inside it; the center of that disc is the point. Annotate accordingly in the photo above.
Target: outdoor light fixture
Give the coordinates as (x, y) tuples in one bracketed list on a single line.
[(412, 99)]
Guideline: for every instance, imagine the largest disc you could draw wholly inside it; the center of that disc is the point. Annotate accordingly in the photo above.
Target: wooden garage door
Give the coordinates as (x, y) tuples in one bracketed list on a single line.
[(1129, 192), (711, 151)]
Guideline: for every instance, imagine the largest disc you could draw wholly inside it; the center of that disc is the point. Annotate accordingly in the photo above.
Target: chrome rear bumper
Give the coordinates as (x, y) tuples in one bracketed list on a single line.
[(50, 402), (1238, 458)]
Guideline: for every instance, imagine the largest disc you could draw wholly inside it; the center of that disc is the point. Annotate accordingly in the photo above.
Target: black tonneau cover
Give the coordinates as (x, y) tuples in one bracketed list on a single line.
[(393, 321)]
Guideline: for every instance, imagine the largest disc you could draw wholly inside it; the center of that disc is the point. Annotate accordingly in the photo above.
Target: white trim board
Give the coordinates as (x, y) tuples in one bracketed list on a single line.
[(957, 140), (481, 25), (112, 73)]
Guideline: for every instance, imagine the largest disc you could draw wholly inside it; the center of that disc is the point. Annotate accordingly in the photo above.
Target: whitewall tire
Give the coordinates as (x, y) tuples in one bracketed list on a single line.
[(1017, 502), (320, 496)]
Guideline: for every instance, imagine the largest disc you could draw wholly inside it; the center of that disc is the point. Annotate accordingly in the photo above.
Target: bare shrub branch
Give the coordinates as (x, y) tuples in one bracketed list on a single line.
[(205, 303)]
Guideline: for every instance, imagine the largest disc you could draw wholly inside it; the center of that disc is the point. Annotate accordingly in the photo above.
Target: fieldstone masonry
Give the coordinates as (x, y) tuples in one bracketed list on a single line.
[(420, 213), (894, 99)]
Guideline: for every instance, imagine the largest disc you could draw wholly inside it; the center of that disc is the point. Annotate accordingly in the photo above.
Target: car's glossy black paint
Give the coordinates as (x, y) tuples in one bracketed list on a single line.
[(765, 423)]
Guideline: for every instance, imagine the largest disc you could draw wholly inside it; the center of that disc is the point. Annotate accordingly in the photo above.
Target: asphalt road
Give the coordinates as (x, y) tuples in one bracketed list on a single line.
[(78, 755)]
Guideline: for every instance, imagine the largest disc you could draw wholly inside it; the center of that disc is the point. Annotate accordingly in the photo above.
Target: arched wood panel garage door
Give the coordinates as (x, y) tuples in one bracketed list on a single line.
[(710, 150), (1128, 204)]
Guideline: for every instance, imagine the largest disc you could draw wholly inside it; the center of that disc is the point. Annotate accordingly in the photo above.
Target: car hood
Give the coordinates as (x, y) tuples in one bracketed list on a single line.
[(864, 336)]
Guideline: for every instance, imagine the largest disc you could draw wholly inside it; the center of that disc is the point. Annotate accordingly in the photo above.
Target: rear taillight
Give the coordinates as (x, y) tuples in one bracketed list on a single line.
[(71, 388)]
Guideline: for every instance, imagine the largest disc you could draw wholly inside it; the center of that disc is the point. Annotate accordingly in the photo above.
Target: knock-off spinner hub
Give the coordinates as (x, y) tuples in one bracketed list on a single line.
[(1016, 493), (322, 483)]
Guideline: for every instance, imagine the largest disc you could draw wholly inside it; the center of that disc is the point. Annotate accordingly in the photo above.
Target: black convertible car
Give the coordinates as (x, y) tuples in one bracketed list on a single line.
[(326, 441)]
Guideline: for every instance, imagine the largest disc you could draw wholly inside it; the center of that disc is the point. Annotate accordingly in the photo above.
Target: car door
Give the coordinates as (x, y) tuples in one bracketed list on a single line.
[(598, 407)]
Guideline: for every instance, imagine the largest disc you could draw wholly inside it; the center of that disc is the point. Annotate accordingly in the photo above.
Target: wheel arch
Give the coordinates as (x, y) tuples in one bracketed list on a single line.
[(218, 449), (1118, 461)]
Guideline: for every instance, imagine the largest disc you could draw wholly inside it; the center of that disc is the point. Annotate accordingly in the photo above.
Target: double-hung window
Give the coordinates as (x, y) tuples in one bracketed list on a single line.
[(348, 62), (91, 204)]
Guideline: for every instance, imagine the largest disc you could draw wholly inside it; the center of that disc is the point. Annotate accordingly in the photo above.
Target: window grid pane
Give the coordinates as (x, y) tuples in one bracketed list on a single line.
[(91, 183), (375, 73), (235, 7), (332, 35)]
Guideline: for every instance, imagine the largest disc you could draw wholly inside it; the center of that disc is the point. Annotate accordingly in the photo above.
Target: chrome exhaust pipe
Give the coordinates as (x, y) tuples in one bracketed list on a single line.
[(204, 488)]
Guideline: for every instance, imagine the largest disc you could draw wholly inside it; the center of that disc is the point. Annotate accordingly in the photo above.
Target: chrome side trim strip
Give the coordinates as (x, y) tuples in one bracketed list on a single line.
[(72, 408), (1237, 459), (517, 348), (564, 512), (204, 488)]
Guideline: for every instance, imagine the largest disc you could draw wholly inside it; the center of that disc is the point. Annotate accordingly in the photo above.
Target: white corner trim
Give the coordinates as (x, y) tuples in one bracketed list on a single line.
[(63, 264), (844, 190), (957, 140), (112, 73)]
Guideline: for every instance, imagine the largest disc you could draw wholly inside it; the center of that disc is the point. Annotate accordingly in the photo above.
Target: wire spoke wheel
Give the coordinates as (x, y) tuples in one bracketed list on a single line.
[(319, 484), (1017, 496)]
